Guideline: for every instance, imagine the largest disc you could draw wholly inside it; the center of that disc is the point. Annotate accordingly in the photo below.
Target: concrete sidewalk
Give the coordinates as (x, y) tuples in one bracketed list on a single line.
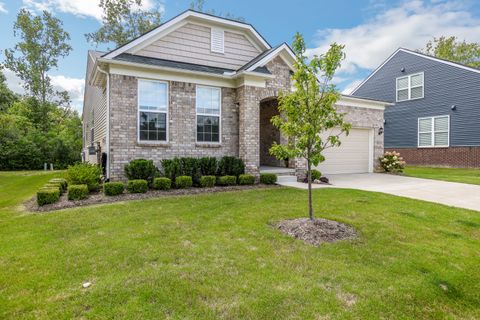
[(460, 195)]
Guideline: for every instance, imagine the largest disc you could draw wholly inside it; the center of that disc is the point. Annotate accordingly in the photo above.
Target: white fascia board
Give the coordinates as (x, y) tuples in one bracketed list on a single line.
[(349, 101), (164, 28), (272, 55)]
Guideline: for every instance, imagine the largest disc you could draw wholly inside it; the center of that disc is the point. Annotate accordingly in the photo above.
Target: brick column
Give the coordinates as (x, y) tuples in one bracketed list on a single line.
[(301, 168), (249, 129)]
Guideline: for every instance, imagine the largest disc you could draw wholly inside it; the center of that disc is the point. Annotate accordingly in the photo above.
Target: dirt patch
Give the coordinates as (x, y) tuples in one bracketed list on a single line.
[(317, 231), (100, 198)]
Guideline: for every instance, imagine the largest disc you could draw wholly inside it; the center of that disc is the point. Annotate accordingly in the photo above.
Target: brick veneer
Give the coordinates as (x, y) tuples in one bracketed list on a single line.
[(466, 157)]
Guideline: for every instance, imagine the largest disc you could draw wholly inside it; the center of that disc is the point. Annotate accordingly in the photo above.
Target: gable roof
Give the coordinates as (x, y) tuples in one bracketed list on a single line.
[(422, 55), (188, 14), (264, 57)]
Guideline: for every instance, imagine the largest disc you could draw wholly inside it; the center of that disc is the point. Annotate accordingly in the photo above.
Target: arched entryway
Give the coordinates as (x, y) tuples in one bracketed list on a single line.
[(269, 133)]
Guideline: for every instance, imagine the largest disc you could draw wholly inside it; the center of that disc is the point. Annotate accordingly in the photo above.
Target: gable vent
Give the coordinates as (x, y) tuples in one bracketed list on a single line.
[(217, 40)]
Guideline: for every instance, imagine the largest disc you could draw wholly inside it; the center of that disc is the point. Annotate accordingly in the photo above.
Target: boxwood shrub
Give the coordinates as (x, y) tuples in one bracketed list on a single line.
[(53, 185), (113, 188), (316, 175), (245, 179), (137, 186), (207, 181), (47, 196), (77, 191), (84, 173), (183, 182), (141, 169), (63, 183), (268, 178), (162, 183), (227, 181)]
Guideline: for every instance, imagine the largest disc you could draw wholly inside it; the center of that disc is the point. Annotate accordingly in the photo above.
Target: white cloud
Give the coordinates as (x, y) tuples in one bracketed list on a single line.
[(411, 24), (2, 8), (13, 82), (352, 85), (80, 8)]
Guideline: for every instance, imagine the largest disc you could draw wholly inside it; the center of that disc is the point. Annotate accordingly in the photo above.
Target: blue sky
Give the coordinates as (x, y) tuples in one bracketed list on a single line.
[(371, 30)]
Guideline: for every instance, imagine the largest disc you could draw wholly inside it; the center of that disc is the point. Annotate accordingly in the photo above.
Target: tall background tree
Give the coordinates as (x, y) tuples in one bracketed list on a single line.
[(308, 114), (199, 5), (450, 48), (122, 21), (7, 96)]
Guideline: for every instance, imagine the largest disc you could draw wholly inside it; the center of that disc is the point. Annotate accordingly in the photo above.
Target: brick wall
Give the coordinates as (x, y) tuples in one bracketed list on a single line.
[(462, 157)]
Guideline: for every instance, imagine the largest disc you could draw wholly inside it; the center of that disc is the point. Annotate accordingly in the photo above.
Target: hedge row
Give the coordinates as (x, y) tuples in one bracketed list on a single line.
[(51, 191)]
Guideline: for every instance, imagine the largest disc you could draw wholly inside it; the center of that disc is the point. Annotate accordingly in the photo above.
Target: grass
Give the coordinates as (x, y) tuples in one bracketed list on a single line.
[(216, 256), (471, 176)]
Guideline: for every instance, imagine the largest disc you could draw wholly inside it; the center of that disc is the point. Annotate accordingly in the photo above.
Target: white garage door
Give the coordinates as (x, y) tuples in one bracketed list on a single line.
[(353, 156)]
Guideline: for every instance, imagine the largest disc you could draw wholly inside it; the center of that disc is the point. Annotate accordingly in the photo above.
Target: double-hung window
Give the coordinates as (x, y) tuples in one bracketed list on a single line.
[(152, 110), (410, 87), (208, 106), (434, 131)]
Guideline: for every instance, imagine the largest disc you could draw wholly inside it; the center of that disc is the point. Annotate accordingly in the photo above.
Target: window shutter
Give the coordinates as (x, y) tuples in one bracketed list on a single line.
[(217, 40)]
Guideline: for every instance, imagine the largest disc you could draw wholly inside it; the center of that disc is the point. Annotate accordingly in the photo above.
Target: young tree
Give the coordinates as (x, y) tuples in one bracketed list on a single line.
[(307, 114), (43, 42), (452, 49), (122, 21)]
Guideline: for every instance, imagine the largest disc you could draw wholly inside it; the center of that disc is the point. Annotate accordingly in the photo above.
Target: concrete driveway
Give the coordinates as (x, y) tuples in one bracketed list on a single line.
[(449, 193)]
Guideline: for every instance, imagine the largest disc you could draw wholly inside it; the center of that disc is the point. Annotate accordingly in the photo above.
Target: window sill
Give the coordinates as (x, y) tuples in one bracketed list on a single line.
[(154, 144), (433, 147), (208, 145)]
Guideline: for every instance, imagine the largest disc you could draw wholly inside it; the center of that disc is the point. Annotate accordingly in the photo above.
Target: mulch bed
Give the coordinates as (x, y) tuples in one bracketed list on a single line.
[(317, 231), (100, 198)]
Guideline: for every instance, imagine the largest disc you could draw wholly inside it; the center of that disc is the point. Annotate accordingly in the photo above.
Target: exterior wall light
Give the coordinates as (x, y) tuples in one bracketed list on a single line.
[(453, 107), (380, 131)]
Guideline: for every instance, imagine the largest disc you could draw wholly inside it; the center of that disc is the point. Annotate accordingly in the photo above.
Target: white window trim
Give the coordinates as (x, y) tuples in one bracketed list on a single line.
[(212, 30), (432, 132), (210, 115), (166, 112), (409, 87)]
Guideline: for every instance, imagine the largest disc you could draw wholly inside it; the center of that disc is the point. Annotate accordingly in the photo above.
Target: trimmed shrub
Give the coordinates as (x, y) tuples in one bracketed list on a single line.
[(227, 181), (392, 162), (77, 191), (208, 166), (245, 179), (137, 186), (113, 188), (316, 175), (207, 181), (53, 185), (141, 169), (63, 183), (191, 167), (183, 182), (84, 173), (47, 196), (171, 168), (268, 178), (230, 166), (162, 183)]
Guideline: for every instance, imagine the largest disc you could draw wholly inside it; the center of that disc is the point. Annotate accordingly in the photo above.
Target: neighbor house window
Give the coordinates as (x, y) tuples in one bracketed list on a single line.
[(152, 110), (434, 131), (410, 87), (208, 105)]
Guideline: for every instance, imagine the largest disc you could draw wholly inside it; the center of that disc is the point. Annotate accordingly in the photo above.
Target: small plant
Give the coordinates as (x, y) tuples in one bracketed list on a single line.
[(392, 162), (227, 181), (113, 188), (47, 196), (268, 178), (207, 181), (141, 169), (183, 182), (316, 175), (77, 191), (246, 179), (84, 173), (63, 183), (162, 183), (137, 186)]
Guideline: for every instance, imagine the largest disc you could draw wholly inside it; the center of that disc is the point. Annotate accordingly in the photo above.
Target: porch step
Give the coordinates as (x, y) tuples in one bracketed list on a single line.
[(286, 178)]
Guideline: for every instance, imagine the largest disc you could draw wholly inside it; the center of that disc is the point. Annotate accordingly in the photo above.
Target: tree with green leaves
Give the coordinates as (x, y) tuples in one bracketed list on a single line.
[(43, 42), (199, 5), (307, 114), (449, 48), (7, 96), (122, 21)]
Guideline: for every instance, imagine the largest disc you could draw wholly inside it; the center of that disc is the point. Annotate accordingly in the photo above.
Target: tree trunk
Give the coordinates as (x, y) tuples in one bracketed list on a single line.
[(309, 179)]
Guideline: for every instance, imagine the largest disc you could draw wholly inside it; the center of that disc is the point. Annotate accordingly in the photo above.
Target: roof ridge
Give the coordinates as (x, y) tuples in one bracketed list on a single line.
[(441, 59)]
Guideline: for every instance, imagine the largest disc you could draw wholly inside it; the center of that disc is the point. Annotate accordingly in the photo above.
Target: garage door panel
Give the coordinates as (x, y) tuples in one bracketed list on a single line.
[(352, 156)]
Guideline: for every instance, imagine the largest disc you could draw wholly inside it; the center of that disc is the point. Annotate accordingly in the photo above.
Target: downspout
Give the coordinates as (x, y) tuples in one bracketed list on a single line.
[(107, 121)]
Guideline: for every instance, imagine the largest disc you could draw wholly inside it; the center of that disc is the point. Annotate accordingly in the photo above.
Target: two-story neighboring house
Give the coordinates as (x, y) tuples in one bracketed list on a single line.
[(200, 85), (435, 119)]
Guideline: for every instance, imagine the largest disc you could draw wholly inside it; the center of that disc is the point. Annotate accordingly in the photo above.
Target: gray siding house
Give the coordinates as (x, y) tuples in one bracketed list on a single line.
[(435, 119), (200, 85)]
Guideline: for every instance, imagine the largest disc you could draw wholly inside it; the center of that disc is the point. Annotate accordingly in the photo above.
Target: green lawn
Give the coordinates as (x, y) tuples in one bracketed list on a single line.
[(471, 176), (216, 256)]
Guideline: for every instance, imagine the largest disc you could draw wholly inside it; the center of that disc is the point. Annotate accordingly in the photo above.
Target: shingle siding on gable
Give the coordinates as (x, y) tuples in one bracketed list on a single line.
[(445, 86)]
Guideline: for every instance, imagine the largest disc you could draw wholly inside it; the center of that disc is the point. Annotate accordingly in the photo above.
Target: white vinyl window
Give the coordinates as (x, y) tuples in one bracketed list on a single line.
[(217, 40), (410, 87), (434, 131), (208, 108), (152, 110)]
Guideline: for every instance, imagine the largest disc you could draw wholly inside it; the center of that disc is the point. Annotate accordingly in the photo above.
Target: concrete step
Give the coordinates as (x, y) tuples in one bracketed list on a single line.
[(286, 178)]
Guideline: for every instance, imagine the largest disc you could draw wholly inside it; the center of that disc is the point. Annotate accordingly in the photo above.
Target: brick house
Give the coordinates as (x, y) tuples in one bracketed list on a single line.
[(200, 85)]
